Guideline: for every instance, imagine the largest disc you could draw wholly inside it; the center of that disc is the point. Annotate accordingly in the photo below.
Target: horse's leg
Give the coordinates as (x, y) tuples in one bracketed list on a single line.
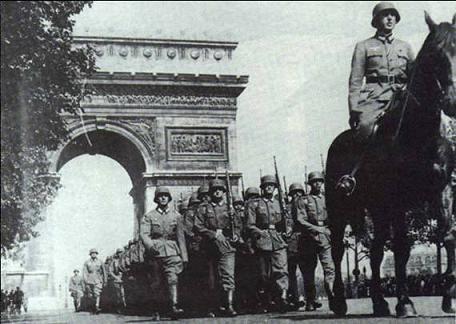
[(381, 230), (338, 304), (447, 228), (401, 249)]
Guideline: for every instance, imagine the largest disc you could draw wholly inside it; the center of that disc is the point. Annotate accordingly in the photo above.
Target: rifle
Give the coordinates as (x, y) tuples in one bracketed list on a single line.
[(286, 191), (322, 161), (243, 189), (229, 201), (305, 179), (283, 209)]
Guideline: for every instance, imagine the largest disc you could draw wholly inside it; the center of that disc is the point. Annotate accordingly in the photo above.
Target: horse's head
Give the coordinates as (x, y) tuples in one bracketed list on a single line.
[(437, 61)]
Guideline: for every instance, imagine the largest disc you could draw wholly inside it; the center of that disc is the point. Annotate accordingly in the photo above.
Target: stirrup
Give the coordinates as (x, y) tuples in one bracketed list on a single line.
[(347, 184)]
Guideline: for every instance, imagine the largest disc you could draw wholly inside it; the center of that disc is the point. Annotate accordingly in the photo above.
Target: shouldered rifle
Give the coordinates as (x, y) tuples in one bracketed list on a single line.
[(283, 209), (322, 161), (285, 189), (305, 179), (243, 189), (229, 201)]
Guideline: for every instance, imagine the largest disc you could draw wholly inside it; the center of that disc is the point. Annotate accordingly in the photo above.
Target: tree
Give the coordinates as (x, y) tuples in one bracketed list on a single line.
[(40, 73)]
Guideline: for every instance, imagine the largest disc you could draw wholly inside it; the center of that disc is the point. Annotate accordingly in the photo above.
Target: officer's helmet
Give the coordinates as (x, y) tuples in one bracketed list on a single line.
[(162, 191), (217, 184), (383, 6), (315, 176), (251, 192), (295, 187), (268, 179)]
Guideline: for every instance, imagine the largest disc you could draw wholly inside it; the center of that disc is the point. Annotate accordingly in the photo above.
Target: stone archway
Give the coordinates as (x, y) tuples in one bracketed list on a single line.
[(163, 109)]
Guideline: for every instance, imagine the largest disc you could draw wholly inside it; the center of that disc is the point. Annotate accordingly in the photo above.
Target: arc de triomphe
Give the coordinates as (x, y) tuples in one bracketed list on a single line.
[(163, 110)]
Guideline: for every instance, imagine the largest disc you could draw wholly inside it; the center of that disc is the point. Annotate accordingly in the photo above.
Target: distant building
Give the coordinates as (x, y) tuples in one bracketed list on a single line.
[(421, 261)]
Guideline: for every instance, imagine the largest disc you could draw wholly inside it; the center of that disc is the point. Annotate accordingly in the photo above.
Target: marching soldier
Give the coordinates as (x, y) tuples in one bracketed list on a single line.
[(162, 232), (195, 277), (251, 193), (309, 213), (203, 193), (76, 288), (213, 223), (266, 225), (115, 275), (295, 260), (94, 276)]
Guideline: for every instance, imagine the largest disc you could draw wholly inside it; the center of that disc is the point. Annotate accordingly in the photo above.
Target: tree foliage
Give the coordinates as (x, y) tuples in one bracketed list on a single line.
[(40, 73)]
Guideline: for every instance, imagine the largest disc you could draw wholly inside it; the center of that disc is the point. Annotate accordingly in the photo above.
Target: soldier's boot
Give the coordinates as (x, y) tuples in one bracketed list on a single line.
[(229, 310), (283, 303), (176, 312), (97, 305)]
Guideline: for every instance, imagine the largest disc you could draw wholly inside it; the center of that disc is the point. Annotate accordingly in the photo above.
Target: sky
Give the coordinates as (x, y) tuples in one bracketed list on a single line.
[(298, 58)]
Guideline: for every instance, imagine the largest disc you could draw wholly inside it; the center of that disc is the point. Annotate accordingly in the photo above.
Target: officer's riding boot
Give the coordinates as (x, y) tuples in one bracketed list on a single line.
[(229, 310), (283, 303), (175, 311)]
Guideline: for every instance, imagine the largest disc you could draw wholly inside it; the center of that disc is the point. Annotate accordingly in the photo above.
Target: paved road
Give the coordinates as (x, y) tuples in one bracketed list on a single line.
[(359, 310)]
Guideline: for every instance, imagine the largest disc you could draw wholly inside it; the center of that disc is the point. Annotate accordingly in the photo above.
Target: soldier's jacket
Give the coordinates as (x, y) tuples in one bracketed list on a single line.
[(94, 272), (210, 217), (76, 284), (162, 233), (294, 239), (124, 261), (114, 272), (193, 239), (377, 57), (310, 209), (265, 224)]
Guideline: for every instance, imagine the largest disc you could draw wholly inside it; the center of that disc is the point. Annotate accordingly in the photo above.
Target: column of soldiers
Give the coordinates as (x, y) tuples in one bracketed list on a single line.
[(219, 255)]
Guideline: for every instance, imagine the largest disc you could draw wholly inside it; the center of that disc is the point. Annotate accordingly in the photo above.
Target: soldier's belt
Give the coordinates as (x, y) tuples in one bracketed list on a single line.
[(390, 79), (321, 223), (272, 227)]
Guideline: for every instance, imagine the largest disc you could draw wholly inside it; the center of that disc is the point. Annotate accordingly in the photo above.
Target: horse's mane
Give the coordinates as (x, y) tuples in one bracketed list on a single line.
[(442, 39)]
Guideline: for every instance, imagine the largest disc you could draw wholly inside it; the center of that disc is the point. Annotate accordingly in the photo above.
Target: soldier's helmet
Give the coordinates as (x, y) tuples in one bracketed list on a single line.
[(217, 184), (383, 6), (268, 179), (130, 242), (251, 192), (75, 271), (194, 200), (295, 187), (315, 176), (93, 251), (237, 200), (118, 251), (162, 191), (203, 190)]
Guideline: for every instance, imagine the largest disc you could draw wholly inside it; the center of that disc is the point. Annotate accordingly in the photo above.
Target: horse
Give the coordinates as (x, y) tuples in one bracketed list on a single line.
[(407, 163)]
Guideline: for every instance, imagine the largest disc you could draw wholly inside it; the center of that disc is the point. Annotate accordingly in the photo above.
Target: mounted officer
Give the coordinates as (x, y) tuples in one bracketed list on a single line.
[(309, 214), (213, 223), (383, 62), (162, 232), (266, 225)]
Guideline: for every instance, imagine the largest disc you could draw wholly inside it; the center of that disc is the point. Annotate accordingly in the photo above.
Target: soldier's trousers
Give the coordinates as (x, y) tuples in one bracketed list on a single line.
[(312, 251), (274, 268), (170, 267), (223, 266), (294, 262), (119, 293)]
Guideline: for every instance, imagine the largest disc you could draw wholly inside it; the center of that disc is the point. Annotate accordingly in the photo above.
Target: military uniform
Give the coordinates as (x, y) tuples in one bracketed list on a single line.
[(266, 224), (213, 223), (94, 276), (76, 288), (115, 276), (162, 232), (383, 62), (310, 214)]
